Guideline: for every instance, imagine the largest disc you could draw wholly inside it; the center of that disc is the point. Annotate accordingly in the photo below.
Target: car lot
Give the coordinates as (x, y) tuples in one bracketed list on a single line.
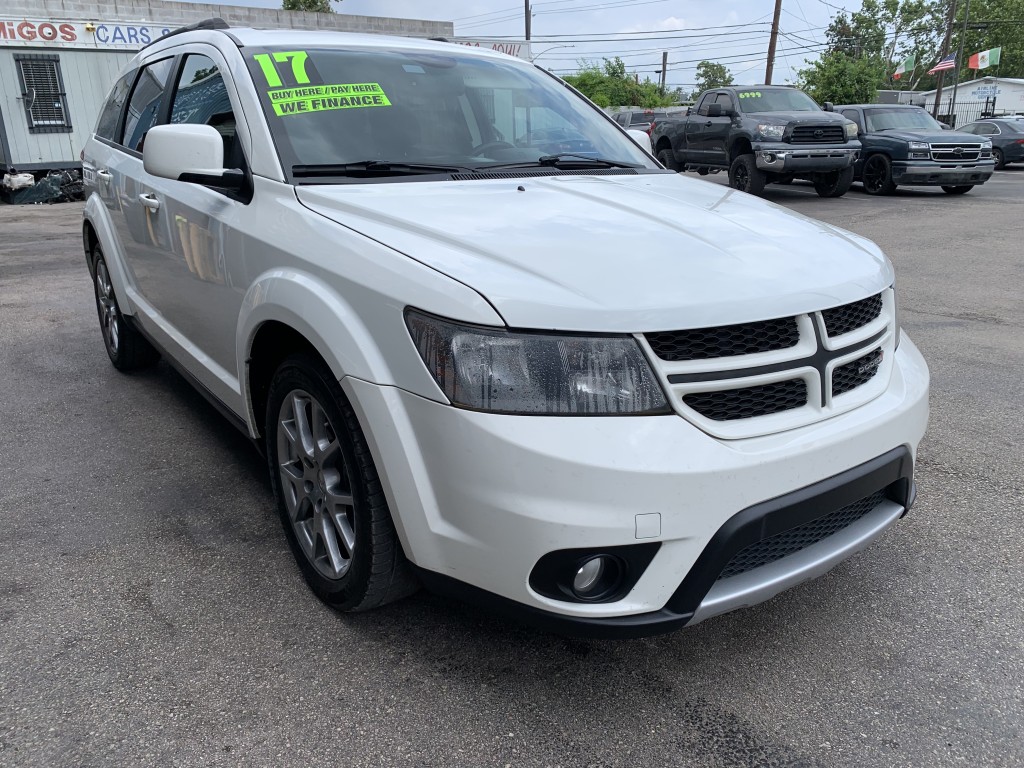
[(150, 612)]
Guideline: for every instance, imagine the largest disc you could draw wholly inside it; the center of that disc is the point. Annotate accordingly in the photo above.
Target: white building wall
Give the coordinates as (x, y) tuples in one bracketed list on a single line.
[(87, 75)]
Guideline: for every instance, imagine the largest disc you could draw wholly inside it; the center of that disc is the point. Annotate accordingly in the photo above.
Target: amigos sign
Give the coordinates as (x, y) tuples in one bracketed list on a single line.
[(79, 34)]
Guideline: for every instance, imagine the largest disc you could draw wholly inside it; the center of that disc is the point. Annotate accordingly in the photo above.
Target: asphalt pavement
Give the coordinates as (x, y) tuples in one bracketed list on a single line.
[(151, 613)]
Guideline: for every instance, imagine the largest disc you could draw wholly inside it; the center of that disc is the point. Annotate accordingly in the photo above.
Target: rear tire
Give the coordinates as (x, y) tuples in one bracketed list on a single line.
[(997, 155), (745, 176), (667, 158), (127, 349), (958, 190), (329, 495), (834, 184)]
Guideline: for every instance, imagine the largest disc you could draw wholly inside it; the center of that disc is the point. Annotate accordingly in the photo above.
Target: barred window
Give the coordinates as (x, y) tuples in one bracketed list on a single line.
[(42, 93)]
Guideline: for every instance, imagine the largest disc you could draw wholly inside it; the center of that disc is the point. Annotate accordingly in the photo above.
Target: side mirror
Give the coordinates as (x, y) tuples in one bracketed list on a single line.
[(946, 126), (828, 106), (641, 138), (715, 110), (192, 153)]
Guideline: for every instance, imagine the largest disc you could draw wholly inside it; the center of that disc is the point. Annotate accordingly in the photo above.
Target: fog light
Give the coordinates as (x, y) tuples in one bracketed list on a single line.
[(769, 157), (588, 577)]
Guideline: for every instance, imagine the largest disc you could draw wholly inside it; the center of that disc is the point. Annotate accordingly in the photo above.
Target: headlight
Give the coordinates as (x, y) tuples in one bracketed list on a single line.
[(920, 150), (491, 369), (851, 130), (986, 143), (771, 131)]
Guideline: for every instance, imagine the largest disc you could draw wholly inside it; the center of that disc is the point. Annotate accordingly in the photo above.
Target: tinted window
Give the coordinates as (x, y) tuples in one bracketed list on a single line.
[(201, 98), (1009, 127), (986, 129), (782, 100), (851, 114), (897, 118), (145, 104), (725, 100), (110, 116), (702, 105)]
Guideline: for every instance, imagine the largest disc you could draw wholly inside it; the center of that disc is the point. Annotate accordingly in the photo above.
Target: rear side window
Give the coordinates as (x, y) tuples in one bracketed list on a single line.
[(110, 116), (146, 102), (201, 98)]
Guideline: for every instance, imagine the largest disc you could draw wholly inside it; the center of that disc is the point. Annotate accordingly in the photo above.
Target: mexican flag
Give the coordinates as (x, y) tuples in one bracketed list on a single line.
[(906, 66), (984, 59)]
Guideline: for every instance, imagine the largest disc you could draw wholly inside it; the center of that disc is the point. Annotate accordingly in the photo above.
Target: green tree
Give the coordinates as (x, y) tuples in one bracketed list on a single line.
[(609, 85), (992, 24), (314, 6), (843, 79), (712, 75)]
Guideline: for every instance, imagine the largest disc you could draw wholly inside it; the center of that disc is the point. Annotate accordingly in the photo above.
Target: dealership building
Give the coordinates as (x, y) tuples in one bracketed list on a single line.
[(58, 59)]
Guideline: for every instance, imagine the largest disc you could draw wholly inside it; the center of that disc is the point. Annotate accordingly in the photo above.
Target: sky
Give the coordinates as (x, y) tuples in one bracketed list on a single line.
[(733, 32)]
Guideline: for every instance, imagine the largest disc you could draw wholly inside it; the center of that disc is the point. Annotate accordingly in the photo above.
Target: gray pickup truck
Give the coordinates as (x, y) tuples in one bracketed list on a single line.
[(761, 135)]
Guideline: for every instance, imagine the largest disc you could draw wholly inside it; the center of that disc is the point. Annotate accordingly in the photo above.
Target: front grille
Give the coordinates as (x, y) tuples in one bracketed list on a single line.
[(950, 152), (818, 134), (850, 317), (731, 404), (852, 375), (789, 542), (725, 340)]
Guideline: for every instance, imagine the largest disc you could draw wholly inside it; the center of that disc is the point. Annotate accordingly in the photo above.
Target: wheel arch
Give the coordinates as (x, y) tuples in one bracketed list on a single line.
[(740, 146)]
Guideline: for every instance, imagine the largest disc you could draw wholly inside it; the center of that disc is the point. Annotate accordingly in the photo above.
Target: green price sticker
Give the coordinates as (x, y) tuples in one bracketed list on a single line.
[(318, 98), (268, 63), (750, 95)]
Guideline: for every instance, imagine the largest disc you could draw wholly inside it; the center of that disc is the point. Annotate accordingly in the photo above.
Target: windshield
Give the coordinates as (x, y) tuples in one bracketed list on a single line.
[(329, 108), (781, 100), (900, 119)]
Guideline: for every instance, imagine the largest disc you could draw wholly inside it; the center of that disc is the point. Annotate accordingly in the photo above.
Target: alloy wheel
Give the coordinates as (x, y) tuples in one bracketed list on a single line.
[(316, 485), (106, 303), (874, 174)]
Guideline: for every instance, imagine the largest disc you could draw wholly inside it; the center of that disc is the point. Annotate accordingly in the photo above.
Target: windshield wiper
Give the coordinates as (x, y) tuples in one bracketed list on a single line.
[(374, 168), (567, 160)]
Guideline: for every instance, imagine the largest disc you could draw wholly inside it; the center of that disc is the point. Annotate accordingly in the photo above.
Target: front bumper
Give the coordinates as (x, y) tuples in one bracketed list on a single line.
[(479, 499), (786, 158), (928, 173)]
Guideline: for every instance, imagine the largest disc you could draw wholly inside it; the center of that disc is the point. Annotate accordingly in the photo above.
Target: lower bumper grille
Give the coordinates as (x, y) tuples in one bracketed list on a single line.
[(788, 542)]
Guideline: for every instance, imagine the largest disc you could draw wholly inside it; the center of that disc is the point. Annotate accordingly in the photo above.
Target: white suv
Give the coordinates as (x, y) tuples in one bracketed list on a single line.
[(488, 344)]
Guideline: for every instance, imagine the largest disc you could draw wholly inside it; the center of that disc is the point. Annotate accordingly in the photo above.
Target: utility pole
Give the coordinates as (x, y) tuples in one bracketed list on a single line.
[(959, 58), (771, 43), (528, 14), (664, 70), (945, 52)]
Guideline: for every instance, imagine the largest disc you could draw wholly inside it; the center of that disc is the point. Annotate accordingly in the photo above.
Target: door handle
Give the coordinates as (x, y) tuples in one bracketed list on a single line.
[(149, 201)]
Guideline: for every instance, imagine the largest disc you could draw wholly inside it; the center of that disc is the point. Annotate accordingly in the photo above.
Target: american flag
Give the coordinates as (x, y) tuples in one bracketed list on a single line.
[(947, 63)]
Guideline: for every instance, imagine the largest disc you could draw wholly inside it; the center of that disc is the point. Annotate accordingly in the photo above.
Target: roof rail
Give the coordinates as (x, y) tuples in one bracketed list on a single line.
[(213, 23)]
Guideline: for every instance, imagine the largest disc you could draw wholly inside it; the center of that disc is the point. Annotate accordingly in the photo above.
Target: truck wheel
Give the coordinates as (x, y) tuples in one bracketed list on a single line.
[(834, 184), (329, 496), (702, 171), (958, 190), (745, 176), (668, 159), (877, 175)]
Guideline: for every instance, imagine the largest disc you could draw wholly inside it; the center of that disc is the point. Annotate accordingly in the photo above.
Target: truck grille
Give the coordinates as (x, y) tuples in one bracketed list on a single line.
[(818, 134), (725, 340), (850, 317), (749, 402), (954, 152), (789, 542), (750, 379)]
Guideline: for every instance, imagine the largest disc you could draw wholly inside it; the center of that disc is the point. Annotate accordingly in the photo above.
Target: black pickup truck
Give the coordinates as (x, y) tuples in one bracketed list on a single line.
[(761, 134)]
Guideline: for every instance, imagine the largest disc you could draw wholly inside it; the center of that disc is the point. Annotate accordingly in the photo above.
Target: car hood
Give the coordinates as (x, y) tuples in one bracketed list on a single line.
[(798, 118), (613, 253), (941, 137)]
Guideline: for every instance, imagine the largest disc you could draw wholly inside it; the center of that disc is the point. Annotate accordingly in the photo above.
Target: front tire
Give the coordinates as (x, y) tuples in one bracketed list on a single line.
[(745, 176), (997, 155), (877, 175), (329, 495), (958, 190), (834, 184), (127, 349)]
